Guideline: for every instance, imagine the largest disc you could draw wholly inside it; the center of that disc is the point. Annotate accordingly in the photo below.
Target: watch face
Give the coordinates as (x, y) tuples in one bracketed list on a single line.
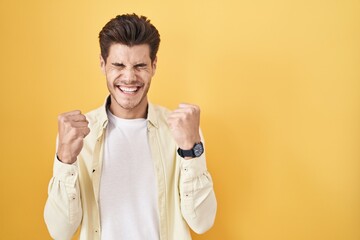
[(198, 149)]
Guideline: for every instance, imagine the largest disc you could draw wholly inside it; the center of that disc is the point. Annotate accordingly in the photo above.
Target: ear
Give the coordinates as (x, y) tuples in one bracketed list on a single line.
[(154, 64), (102, 64)]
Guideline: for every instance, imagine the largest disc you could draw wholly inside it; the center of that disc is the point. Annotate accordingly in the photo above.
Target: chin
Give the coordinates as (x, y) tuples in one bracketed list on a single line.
[(129, 105)]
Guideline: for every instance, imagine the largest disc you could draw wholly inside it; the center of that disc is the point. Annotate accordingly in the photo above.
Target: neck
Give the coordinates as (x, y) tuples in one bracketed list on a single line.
[(139, 111)]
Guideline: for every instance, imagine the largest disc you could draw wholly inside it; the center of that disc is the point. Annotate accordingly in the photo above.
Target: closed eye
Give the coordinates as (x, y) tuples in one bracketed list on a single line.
[(118, 64), (140, 66)]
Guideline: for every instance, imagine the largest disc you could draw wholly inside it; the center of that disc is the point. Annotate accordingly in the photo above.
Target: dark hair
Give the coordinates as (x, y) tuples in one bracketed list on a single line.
[(130, 30)]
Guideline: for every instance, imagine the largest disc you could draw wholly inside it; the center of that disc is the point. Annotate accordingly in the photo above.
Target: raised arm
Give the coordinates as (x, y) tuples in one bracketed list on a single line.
[(63, 211), (198, 202)]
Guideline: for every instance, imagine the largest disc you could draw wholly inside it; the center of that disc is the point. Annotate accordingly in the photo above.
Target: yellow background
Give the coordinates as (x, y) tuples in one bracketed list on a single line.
[(279, 87)]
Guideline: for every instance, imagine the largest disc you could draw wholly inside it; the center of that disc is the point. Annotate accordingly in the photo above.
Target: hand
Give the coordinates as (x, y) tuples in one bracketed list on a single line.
[(73, 128), (184, 124)]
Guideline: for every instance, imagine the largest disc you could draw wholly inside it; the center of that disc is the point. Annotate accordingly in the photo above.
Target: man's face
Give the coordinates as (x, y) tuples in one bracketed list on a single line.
[(128, 72)]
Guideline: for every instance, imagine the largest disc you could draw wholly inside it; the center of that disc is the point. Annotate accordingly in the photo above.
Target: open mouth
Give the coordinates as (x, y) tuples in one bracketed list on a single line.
[(128, 89)]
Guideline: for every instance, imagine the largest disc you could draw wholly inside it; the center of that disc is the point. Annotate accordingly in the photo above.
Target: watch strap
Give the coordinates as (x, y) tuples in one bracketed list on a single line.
[(186, 153), (196, 151)]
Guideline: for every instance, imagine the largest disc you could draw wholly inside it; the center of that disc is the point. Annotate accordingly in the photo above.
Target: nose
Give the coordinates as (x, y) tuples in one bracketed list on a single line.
[(129, 75)]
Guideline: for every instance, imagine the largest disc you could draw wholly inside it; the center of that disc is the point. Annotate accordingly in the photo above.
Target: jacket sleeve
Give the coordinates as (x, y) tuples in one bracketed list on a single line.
[(198, 202), (63, 211)]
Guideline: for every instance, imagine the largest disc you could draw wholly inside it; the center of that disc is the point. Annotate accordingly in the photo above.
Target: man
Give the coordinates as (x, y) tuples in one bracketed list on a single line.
[(130, 169)]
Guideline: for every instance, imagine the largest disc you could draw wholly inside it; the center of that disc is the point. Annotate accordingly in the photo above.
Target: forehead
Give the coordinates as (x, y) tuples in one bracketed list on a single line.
[(123, 53)]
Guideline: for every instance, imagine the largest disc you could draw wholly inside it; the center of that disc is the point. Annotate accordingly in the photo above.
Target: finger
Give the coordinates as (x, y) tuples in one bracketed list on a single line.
[(67, 116), (83, 132), (185, 111), (79, 124), (86, 132), (75, 112), (176, 115), (180, 110), (80, 132), (78, 118)]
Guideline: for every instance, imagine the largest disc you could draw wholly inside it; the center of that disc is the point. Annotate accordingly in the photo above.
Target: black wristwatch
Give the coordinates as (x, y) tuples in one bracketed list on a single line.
[(196, 151)]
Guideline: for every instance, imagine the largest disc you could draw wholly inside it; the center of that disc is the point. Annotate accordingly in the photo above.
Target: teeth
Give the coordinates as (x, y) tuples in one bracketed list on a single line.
[(127, 89)]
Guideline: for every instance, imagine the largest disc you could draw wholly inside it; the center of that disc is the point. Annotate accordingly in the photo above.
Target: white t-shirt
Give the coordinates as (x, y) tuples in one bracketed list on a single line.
[(128, 192)]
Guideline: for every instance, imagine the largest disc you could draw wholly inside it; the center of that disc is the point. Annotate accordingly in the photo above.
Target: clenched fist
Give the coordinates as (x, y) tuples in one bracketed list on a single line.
[(73, 128), (184, 124)]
